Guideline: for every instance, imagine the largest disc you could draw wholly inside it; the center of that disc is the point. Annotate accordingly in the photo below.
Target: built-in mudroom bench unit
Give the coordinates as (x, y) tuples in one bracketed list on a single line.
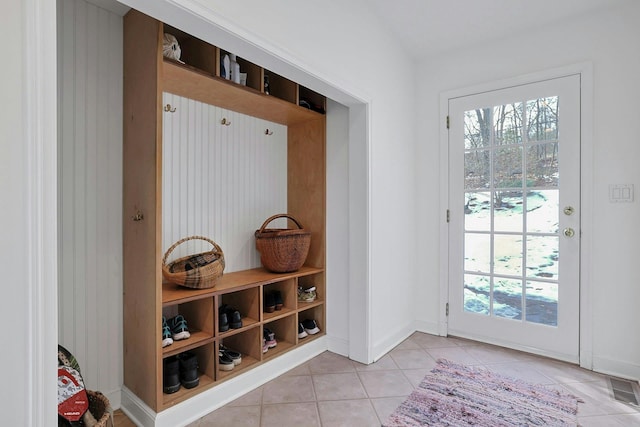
[(204, 155)]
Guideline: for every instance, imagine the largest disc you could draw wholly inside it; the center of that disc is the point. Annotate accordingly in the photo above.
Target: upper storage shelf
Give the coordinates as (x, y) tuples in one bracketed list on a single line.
[(265, 94)]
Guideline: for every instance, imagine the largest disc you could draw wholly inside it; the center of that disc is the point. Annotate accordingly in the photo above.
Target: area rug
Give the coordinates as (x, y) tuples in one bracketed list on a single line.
[(459, 395)]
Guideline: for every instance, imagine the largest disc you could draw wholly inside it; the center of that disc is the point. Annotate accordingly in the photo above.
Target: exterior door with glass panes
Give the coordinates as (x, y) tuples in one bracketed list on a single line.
[(514, 231)]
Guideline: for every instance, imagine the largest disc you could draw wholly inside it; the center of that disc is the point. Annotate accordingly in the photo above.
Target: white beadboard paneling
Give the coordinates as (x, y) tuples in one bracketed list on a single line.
[(90, 191), (219, 181)]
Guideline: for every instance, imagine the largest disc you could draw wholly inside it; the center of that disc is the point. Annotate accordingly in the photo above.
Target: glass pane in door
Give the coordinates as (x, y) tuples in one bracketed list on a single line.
[(511, 242)]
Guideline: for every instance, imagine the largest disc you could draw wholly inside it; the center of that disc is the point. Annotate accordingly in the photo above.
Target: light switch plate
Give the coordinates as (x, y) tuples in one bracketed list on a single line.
[(621, 193)]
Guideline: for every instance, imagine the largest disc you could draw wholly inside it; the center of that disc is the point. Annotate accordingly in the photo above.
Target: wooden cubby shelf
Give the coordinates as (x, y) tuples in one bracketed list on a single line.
[(230, 282), (146, 297), (244, 291), (197, 339)]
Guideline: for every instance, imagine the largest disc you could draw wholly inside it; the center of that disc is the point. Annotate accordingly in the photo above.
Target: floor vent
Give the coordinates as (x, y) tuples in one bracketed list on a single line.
[(625, 391)]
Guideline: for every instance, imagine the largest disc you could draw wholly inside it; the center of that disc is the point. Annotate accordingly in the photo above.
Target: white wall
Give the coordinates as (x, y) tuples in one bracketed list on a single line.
[(219, 181), (606, 39), (90, 192)]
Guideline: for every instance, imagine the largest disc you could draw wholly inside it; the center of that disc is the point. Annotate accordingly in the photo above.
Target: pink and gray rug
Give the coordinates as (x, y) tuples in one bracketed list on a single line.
[(459, 395)]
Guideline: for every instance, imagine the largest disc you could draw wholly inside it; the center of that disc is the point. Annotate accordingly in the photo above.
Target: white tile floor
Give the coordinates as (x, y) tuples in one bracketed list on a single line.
[(331, 390)]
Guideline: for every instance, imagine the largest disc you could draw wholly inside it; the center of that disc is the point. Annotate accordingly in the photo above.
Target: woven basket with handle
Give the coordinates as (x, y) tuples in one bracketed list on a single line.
[(100, 409), (199, 271), (282, 250)]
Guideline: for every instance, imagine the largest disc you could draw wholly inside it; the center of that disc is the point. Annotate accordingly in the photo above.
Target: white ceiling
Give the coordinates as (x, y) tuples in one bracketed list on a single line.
[(427, 27)]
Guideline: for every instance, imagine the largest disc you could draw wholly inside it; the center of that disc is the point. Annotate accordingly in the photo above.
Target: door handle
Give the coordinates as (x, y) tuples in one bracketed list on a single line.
[(569, 232)]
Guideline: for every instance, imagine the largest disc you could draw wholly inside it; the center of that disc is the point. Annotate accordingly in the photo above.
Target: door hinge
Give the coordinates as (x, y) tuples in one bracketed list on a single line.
[(447, 122), (447, 309), (448, 215)]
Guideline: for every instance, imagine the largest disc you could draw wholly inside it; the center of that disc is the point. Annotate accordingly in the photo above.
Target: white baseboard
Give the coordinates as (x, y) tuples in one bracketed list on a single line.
[(616, 368), (198, 406), (134, 408), (338, 345), (426, 327), (391, 340)]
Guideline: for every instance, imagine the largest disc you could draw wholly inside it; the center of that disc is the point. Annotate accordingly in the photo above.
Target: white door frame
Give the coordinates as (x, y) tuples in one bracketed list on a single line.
[(585, 70)]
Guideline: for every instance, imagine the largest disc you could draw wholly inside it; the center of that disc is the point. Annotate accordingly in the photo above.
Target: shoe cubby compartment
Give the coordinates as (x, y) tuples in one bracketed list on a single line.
[(199, 317), (315, 101), (247, 302), (315, 313), (195, 53), (306, 282), (281, 87), (249, 343), (253, 73), (204, 355), (288, 293), (285, 335)]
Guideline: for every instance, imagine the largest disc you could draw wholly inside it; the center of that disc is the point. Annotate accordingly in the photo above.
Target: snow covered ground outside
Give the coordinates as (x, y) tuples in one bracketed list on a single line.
[(525, 255)]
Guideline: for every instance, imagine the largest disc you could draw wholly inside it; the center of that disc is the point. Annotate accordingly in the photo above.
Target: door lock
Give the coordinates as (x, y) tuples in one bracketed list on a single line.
[(568, 232)]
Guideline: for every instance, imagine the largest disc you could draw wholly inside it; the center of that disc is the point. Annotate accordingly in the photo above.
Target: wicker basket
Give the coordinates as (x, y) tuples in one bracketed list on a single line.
[(199, 271), (282, 250), (100, 408)]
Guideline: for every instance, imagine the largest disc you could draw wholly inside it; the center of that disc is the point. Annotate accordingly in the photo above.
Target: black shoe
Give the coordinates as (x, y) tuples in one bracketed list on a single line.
[(233, 316), (310, 327), (277, 296), (269, 302), (170, 375), (188, 370), (223, 321), (235, 356), (235, 319), (301, 332), (224, 362)]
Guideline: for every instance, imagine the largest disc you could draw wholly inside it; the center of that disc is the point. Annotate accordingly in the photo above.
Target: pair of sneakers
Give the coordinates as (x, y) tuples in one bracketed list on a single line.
[(307, 327), (174, 329), (307, 295), (180, 370), (227, 358), (268, 339)]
